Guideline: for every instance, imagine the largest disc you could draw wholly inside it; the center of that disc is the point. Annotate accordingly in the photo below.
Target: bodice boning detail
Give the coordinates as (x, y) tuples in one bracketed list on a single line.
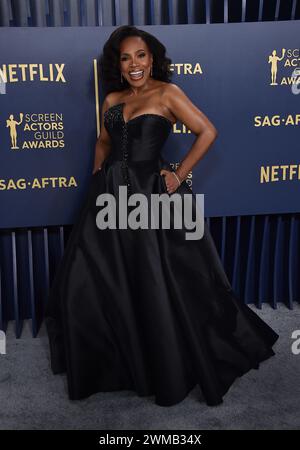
[(124, 165), (149, 128)]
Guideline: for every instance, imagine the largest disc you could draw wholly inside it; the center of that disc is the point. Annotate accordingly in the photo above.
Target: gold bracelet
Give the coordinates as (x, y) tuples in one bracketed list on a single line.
[(179, 182)]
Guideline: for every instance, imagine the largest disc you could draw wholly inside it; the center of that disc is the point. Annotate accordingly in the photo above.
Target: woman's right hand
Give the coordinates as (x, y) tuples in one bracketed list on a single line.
[(95, 171)]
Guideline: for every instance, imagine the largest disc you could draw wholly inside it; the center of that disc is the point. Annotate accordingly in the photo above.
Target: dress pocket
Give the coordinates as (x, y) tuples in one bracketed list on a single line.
[(163, 183)]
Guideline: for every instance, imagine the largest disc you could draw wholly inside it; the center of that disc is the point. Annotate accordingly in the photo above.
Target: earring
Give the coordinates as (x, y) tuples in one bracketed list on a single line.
[(121, 78), (151, 73)]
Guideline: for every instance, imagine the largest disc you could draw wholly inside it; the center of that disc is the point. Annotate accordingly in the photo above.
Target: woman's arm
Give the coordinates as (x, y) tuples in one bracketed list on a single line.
[(103, 143), (187, 113)]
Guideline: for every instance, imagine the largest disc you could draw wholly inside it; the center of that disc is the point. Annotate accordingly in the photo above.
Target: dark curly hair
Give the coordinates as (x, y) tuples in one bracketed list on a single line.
[(109, 61)]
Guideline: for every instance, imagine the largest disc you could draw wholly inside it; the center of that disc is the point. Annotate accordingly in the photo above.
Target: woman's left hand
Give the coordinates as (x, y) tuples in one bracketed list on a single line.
[(170, 179)]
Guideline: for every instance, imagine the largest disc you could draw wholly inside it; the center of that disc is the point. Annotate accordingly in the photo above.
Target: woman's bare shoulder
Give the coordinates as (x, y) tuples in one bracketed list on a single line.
[(171, 88), (113, 98), (169, 91), (164, 86)]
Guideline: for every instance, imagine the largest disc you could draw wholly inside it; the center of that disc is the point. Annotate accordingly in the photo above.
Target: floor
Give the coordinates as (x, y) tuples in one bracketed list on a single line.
[(31, 397)]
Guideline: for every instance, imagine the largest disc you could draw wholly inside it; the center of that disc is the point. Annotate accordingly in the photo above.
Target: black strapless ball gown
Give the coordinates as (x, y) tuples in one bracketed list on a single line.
[(146, 310)]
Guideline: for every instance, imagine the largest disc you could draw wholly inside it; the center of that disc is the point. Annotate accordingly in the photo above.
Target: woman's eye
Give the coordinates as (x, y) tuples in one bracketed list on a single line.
[(140, 55)]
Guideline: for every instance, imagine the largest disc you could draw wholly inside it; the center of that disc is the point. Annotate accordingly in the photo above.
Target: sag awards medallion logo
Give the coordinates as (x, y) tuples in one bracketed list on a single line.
[(287, 59), (36, 131), (11, 123), (273, 60)]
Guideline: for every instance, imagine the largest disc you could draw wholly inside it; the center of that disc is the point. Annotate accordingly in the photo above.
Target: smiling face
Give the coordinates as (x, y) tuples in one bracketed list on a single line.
[(135, 60)]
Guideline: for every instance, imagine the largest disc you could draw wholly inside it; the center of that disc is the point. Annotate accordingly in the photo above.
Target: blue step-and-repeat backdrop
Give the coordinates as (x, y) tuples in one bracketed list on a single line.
[(244, 77)]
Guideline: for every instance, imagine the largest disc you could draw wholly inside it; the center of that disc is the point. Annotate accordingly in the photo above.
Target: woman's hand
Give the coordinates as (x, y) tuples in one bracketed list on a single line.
[(172, 180), (96, 170)]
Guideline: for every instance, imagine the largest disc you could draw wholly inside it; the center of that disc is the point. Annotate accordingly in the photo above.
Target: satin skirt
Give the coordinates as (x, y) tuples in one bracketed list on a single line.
[(147, 310)]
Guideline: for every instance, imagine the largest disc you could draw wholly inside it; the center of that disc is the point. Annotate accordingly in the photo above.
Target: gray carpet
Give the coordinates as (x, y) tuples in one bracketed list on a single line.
[(31, 397)]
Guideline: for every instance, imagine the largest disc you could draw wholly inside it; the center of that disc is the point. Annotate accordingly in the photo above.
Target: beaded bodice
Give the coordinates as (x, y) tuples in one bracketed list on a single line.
[(139, 139)]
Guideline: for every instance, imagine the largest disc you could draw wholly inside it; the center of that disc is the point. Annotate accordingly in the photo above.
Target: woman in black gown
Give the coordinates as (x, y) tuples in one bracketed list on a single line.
[(146, 309)]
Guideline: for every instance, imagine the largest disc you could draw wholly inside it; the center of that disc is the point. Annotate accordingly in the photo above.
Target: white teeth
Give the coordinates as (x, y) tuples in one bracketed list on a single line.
[(136, 75)]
